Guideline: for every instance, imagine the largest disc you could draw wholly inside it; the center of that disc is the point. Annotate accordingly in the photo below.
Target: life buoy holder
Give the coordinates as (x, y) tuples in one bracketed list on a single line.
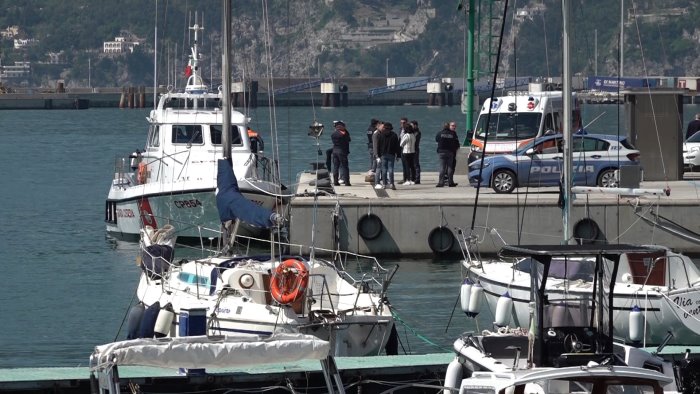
[(142, 173), (289, 282), (441, 240), (369, 226)]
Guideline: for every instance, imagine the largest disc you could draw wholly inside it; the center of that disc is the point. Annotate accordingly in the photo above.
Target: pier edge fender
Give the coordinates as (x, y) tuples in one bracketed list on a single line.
[(369, 226), (586, 231), (441, 240)]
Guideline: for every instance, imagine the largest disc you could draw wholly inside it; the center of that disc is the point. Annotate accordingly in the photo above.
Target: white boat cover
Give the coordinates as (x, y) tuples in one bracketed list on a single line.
[(210, 352)]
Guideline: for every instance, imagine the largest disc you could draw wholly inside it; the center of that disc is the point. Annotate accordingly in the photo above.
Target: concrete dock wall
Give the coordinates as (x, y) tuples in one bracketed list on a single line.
[(409, 214)]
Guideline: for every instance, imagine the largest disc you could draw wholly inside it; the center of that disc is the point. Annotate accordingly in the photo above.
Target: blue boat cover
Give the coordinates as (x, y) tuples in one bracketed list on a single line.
[(231, 203)]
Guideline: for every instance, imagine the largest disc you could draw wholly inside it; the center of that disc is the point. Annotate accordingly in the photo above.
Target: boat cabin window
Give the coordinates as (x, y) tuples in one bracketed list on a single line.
[(193, 279), (153, 137), (187, 134), (510, 126), (571, 269), (215, 131)]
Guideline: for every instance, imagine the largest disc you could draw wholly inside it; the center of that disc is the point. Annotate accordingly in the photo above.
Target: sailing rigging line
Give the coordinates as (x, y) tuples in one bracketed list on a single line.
[(546, 50), (651, 101), (488, 116), (271, 89)]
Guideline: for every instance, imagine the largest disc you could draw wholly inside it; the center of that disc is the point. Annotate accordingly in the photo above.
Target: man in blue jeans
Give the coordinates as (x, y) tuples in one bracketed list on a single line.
[(388, 151)]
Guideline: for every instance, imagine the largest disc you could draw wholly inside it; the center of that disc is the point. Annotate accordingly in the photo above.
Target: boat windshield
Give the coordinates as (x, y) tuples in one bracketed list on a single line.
[(509, 126)]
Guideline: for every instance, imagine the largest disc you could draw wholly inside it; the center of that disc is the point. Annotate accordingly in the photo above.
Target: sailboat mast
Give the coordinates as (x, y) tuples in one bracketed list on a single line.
[(566, 92), (226, 78)]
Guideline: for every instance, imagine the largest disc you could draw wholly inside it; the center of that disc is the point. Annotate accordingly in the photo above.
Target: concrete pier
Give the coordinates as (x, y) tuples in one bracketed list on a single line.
[(407, 216)]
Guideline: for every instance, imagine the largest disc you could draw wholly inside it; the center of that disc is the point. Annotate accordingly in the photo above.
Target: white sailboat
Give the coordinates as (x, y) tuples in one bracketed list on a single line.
[(284, 290), (558, 307), (663, 285), (173, 180)]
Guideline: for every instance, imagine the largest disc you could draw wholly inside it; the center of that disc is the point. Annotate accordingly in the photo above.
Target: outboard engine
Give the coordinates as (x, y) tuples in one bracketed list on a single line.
[(687, 373)]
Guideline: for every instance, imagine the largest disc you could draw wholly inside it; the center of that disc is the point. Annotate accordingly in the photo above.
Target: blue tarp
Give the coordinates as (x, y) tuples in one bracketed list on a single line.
[(232, 204)]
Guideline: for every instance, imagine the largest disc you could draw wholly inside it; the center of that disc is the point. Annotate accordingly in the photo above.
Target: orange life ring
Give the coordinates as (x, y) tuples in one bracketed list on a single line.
[(289, 281), (141, 175)]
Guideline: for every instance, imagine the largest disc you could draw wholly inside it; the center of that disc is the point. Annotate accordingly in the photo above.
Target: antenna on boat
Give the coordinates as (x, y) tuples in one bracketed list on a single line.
[(226, 78), (155, 61)]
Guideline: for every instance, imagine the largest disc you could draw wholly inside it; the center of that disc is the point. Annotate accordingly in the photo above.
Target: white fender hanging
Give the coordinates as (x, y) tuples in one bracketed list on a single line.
[(164, 321), (475, 297), (453, 376), (504, 308), (636, 324), (465, 293)]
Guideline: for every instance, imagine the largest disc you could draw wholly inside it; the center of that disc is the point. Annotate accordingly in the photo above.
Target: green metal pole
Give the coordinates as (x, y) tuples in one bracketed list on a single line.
[(470, 72)]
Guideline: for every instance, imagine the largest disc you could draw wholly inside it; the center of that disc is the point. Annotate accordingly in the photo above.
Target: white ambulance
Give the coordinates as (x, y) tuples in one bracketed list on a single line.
[(517, 118)]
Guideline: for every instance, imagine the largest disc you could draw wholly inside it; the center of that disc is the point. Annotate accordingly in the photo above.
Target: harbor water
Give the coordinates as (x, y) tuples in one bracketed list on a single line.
[(67, 286)]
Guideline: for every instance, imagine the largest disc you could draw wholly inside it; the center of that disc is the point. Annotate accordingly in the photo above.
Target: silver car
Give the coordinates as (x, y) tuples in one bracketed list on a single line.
[(691, 152)]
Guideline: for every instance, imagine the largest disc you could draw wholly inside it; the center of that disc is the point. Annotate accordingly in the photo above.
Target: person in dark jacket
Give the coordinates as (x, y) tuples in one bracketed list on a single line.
[(417, 132), (370, 145), (388, 151), (448, 145), (341, 150), (693, 127)]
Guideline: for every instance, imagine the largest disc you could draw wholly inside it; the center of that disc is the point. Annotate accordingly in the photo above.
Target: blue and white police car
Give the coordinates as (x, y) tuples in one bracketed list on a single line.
[(540, 163)]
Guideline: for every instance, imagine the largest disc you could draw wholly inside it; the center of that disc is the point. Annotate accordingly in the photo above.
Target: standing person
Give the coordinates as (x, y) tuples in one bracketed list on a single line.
[(404, 167), (693, 127), (341, 150), (375, 153), (408, 153), (416, 161), (388, 150), (448, 144), (370, 146)]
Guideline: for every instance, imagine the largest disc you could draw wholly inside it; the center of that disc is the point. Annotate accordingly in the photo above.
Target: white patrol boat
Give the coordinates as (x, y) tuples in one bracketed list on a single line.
[(173, 180)]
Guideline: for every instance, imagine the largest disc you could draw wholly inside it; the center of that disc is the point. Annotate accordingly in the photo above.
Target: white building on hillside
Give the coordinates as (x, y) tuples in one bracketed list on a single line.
[(119, 45)]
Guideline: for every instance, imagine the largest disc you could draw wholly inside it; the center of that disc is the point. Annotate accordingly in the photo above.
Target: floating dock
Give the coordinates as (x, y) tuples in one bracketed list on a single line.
[(365, 374), (418, 220)]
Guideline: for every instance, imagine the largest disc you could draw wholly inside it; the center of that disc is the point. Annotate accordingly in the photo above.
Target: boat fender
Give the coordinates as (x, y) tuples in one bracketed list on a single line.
[(164, 322), (369, 226), (453, 376), (465, 293), (477, 294), (586, 231), (134, 320), (441, 240), (504, 307), (636, 324), (148, 322), (289, 281)]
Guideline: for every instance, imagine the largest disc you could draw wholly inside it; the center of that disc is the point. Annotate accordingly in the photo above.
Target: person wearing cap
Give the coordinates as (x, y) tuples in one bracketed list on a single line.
[(448, 144), (341, 150)]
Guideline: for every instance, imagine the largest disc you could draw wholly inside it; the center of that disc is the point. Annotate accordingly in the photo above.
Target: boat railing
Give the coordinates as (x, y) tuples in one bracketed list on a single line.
[(358, 269), (125, 171)]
